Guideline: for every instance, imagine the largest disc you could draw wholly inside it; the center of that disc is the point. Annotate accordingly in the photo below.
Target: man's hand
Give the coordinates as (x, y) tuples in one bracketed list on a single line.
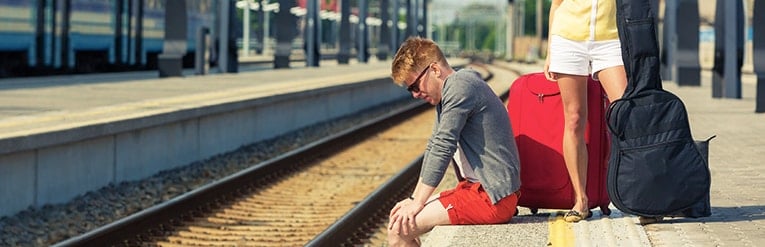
[(402, 216)]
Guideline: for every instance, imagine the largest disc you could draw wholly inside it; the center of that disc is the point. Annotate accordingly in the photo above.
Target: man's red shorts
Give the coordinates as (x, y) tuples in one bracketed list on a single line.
[(468, 204)]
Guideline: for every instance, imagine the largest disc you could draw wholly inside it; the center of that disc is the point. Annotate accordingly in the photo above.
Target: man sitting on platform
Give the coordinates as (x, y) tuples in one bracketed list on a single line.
[(472, 132)]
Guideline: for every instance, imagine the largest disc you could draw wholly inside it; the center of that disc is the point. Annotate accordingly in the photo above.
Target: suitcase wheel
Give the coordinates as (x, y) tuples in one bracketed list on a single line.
[(534, 210), (605, 210)]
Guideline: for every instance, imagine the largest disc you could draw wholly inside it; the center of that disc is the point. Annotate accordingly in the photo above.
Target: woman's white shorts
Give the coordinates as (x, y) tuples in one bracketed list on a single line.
[(583, 57)]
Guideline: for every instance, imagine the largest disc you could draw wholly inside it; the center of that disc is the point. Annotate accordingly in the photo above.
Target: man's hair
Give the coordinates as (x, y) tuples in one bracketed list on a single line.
[(413, 55)]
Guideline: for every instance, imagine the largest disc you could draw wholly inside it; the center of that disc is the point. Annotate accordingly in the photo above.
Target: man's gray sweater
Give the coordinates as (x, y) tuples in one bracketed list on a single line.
[(471, 114)]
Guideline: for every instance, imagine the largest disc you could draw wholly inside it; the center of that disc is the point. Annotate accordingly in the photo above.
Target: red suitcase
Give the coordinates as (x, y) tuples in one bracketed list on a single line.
[(536, 114)]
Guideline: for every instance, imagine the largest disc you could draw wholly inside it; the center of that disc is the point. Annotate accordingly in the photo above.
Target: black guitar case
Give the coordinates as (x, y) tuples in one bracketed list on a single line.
[(655, 168)]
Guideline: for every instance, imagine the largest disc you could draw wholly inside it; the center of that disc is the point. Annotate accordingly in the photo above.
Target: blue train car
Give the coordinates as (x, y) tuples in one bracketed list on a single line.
[(17, 34), (81, 36)]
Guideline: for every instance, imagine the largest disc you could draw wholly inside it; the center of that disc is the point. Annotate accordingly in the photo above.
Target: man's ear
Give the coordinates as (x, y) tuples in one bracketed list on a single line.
[(436, 69)]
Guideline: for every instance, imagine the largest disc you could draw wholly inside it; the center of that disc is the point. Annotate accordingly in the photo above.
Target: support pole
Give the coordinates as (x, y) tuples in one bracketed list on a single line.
[(39, 57), (688, 70), (222, 34), (383, 48), (266, 37), (286, 24), (202, 55), (362, 39), (227, 52), (174, 45), (344, 53), (246, 29), (539, 28), (395, 36), (139, 55), (411, 18), (311, 40), (259, 30), (734, 48), (510, 34), (423, 23), (758, 52), (669, 39), (66, 58), (119, 34), (729, 49)]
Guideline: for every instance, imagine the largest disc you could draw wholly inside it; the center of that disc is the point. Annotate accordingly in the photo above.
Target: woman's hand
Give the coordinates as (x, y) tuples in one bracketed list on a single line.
[(402, 216), (551, 76)]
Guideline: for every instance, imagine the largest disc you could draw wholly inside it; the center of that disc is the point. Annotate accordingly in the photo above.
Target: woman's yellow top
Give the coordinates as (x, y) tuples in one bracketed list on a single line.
[(583, 20)]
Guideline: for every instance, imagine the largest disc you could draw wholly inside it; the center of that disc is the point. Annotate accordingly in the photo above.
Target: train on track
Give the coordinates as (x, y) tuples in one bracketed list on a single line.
[(39, 37)]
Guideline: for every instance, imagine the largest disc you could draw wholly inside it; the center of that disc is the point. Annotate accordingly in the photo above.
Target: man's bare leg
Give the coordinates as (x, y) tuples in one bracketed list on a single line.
[(432, 215)]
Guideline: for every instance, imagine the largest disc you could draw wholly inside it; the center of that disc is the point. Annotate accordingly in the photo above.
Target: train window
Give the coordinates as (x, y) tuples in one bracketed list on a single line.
[(155, 4)]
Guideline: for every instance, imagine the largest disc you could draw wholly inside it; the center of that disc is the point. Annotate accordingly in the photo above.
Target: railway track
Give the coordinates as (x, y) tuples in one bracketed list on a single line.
[(336, 191)]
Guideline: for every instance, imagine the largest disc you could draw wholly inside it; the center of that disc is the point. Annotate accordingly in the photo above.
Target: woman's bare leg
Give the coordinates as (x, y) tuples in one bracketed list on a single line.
[(573, 91), (614, 81)]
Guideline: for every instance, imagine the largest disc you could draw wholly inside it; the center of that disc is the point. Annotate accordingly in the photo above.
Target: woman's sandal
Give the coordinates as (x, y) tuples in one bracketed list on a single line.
[(573, 216)]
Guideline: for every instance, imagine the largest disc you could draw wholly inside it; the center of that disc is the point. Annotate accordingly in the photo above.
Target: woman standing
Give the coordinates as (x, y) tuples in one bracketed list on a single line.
[(583, 41)]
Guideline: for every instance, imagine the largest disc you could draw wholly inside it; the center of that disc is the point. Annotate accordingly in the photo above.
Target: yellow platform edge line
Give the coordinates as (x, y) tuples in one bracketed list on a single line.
[(560, 232)]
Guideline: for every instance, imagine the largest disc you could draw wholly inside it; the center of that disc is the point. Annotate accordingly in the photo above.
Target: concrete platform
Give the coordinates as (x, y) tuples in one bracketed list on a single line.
[(737, 193)]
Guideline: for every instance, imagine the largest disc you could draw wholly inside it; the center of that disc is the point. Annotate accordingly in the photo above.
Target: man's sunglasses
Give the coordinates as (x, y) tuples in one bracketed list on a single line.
[(415, 87)]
